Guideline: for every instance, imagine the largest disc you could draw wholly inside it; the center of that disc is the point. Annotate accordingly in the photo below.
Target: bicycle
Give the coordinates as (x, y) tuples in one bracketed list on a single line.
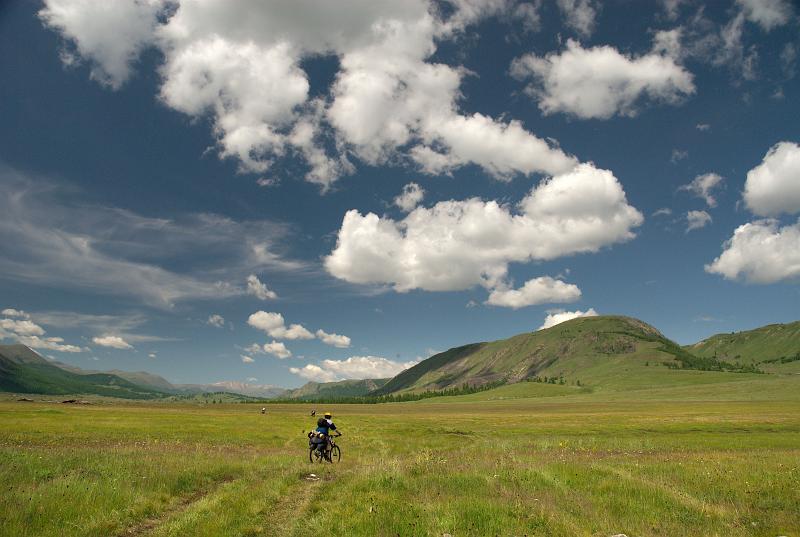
[(332, 454)]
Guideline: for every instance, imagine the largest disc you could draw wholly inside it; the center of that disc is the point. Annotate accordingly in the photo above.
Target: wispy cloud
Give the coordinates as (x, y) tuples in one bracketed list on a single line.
[(126, 326), (48, 239), (703, 186), (92, 322), (707, 319), (664, 211)]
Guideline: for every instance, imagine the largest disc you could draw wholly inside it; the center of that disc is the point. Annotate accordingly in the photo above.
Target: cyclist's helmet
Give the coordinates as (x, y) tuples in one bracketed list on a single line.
[(322, 422), (328, 415)]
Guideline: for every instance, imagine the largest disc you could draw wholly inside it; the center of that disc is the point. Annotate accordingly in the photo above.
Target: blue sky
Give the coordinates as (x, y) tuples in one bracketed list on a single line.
[(274, 192)]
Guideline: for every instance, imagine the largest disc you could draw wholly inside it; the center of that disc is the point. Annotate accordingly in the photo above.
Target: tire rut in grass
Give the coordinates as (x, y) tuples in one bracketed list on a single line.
[(558, 515), (283, 518), (181, 504), (679, 496)]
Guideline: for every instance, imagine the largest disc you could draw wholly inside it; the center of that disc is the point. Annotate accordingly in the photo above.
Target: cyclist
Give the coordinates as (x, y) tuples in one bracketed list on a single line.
[(324, 427)]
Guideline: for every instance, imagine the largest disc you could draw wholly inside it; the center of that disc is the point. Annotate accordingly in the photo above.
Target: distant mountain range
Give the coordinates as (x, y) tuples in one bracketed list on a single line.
[(603, 350), (342, 388), (260, 391), (23, 370)]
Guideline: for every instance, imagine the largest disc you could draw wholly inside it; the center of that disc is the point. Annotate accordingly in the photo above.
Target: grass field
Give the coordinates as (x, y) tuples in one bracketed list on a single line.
[(529, 459)]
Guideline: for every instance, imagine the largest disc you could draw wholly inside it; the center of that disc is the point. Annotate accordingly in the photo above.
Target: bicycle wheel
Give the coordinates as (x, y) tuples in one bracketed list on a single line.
[(313, 455), (336, 454)]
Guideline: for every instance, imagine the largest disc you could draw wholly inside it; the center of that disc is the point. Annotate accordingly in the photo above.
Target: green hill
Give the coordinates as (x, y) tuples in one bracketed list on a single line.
[(140, 378), (332, 390), (774, 343), (24, 371), (21, 354), (148, 380), (605, 352)]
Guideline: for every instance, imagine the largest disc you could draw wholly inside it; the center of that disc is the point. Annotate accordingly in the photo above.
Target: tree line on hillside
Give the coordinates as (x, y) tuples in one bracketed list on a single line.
[(783, 359), (560, 380), (686, 360)]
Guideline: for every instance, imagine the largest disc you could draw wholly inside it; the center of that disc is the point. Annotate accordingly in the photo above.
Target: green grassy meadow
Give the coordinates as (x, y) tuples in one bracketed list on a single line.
[(719, 458)]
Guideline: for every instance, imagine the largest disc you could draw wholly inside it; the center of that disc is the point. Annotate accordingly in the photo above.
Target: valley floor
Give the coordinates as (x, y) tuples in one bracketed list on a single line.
[(663, 464)]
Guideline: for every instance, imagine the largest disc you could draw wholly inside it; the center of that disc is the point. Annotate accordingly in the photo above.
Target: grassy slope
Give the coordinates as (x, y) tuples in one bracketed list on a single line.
[(681, 386), (23, 371), (140, 378), (752, 346), (412, 377), (21, 354), (148, 380), (610, 351)]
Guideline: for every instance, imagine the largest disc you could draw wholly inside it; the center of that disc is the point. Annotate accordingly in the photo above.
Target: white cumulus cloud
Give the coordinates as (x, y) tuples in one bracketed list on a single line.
[(25, 331), (410, 197), (697, 220), (355, 367), (314, 373), (558, 317), (48, 343), (241, 65), (254, 348), (246, 359), (455, 245), (216, 320), (703, 185), (601, 82), (335, 340), (22, 327), (108, 34), (760, 252), (115, 342), (678, 155), (580, 15), (277, 348), (11, 312), (672, 8), (258, 289), (274, 325), (768, 14), (773, 187), (536, 291)]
